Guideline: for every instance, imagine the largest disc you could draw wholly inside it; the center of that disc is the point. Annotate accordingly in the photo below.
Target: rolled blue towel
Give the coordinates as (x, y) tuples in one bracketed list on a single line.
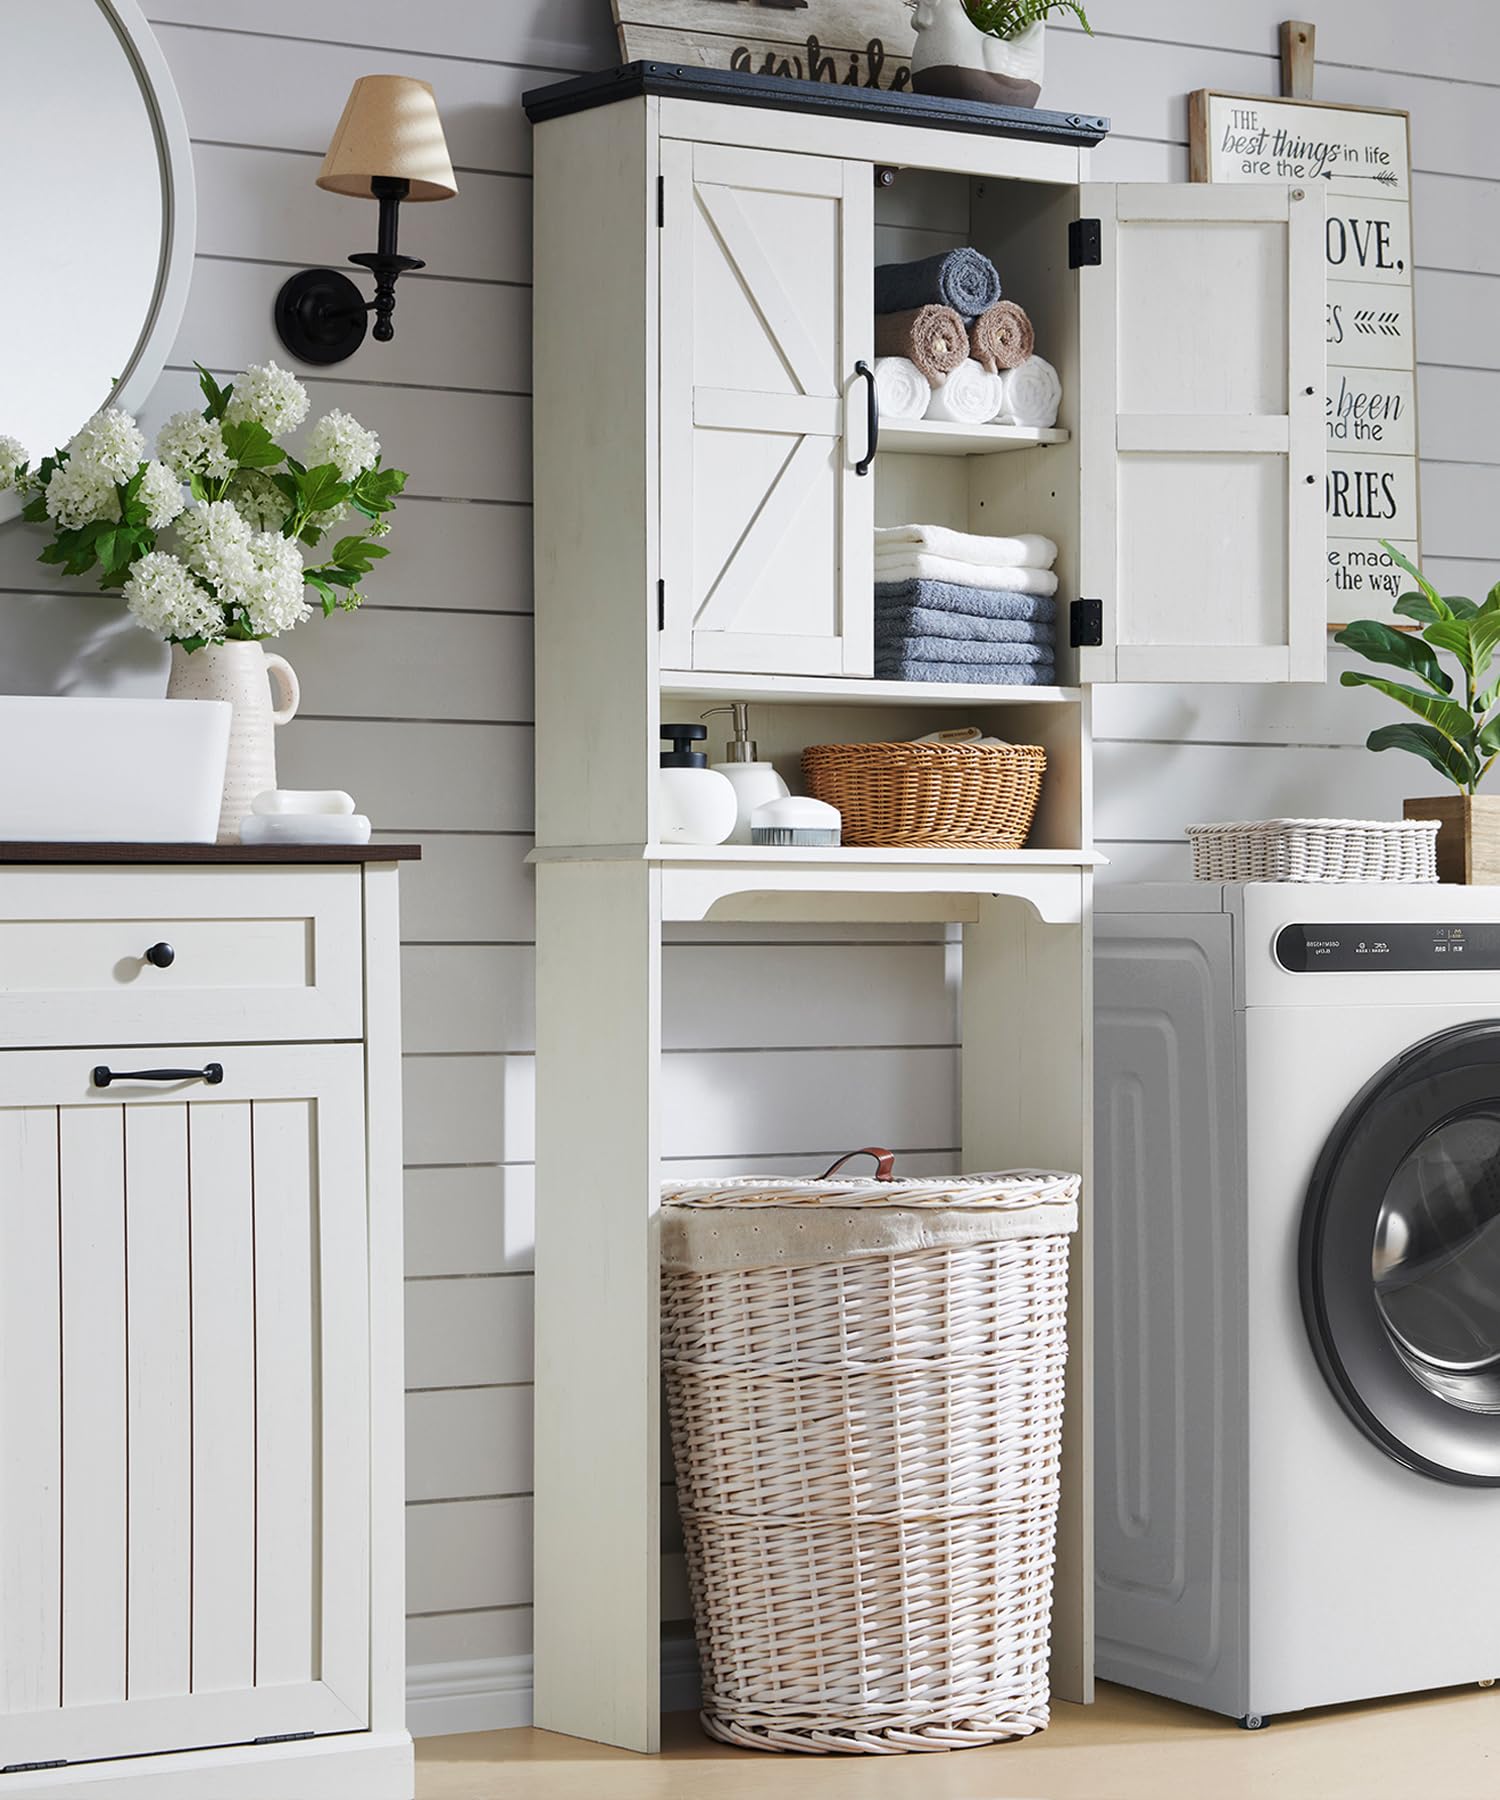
[(923, 621), (964, 279), (979, 603), (957, 650), (975, 674)]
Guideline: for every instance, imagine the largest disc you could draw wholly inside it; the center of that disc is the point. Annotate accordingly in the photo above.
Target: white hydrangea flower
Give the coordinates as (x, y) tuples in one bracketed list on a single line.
[(191, 445), (12, 455), (270, 396), (339, 439), (161, 495), (325, 521), (215, 543), (111, 442), (274, 596), (80, 492), (378, 528), (261, 503), (163, 596)]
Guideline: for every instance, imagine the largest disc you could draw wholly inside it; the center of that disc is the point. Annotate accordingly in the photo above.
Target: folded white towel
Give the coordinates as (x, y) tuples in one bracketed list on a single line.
[(1027, 550), (1031, 393), (921, 565), (967, 735), (901, 387), (971, 395)]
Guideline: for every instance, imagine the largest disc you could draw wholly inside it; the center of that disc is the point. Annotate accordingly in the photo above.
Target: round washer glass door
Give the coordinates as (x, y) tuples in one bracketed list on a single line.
[(1400, 1257)]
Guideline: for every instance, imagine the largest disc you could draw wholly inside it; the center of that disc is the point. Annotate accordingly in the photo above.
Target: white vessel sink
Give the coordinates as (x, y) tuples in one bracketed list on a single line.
[(78, 771)]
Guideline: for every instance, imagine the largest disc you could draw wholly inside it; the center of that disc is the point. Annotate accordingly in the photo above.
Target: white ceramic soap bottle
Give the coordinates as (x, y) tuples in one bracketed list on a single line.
[(694, 804), (754, 782)]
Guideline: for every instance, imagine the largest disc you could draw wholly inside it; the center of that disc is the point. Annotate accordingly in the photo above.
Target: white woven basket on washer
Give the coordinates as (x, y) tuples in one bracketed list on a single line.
[(1316, 850), (865, 1384)]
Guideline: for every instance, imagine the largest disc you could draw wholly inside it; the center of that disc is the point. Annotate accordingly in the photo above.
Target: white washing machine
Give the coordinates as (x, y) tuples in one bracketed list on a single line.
[(1297, 1349)]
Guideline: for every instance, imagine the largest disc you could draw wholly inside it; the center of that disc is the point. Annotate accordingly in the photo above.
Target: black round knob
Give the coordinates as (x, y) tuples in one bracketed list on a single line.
[(161, 956)]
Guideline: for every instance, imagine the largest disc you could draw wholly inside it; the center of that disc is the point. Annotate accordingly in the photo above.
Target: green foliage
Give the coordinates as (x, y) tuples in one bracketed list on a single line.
[(1009, 18), (1460, 738), (217, 397)]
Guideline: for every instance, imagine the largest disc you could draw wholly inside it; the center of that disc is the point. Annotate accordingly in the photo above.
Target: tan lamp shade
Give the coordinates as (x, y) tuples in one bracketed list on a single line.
[(390, 127)]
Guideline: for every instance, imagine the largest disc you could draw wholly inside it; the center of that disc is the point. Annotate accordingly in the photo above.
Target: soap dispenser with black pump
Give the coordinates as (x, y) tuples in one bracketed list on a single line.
[(754, 782), (695, 804)]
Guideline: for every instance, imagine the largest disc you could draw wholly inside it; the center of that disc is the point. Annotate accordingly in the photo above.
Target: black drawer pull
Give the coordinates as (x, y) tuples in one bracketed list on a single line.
[(212, 1073), (161, 956)]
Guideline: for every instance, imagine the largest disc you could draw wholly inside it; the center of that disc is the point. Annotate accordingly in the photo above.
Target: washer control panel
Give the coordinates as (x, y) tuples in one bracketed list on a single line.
[(1351, 949)]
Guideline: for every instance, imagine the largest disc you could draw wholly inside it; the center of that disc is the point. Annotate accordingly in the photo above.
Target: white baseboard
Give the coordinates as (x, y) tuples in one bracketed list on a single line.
[(494, 1693)]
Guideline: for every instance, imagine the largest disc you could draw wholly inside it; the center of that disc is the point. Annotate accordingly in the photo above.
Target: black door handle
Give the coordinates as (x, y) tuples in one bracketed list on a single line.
[(872, 419), (212, 1073), (161, 956)]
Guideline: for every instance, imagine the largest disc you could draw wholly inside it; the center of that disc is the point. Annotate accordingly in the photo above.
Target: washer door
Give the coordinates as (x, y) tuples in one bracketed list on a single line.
[(1400, 1257)]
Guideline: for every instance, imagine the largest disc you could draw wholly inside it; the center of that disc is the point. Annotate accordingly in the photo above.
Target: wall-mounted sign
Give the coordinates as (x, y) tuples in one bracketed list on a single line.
[(855, 43), (1363, 160)]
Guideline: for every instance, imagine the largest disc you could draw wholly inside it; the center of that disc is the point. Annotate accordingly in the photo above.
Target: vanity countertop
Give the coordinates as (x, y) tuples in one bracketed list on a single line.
[(208, 853)]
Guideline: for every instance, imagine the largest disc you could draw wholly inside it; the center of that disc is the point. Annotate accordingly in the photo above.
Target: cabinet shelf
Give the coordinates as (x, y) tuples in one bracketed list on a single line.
[(936, 437), (712, 684)]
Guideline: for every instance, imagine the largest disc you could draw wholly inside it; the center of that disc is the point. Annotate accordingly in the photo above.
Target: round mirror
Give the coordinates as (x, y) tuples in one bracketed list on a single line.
[(100, 230)]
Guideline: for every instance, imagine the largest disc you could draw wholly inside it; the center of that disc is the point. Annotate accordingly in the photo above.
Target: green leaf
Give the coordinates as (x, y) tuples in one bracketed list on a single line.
[(321, 587), (323, 488), (1451, 719), (1009, 18), (1431, 745), (1384, 644), (249, 444), (1471, 640), (1439, 604), (216, 396), (34, 512), (1491, 601), (104, 548), (198, 488), (1488, 740)]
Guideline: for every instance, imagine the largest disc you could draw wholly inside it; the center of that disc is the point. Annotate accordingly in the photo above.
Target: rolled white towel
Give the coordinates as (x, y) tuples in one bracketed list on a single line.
[(969, 396), (1030, 393), (1026, 550), (902, 388)]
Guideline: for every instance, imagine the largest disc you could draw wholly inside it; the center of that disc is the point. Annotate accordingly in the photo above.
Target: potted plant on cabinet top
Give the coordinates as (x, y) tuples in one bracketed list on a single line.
[(1459, 732), (232, 572), (989, 50)]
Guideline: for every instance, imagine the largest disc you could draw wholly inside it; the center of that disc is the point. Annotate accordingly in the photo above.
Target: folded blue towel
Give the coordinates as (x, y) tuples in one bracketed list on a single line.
[(957, 650), (896, 617), (964, 279), (975, 674), (979, 603)]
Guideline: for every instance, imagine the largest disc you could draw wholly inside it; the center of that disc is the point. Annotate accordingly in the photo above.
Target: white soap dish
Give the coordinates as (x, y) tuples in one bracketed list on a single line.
[(305, 828)]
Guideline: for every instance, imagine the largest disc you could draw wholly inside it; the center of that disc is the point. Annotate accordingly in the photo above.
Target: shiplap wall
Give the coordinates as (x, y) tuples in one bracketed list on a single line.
[(780, 1050)]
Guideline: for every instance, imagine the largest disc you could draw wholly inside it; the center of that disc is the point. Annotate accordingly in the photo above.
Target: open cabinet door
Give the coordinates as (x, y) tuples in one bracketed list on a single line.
[(1201, 429)]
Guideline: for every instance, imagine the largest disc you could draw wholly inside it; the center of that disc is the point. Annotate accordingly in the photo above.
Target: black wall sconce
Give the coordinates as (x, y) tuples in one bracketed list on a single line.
[(388, 147)]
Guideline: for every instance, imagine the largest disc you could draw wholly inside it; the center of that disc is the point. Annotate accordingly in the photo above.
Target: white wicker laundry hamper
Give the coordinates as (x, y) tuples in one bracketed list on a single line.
[(865, 1384)]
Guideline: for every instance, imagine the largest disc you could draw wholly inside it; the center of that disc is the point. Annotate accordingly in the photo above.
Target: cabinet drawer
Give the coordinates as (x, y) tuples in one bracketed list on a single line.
[(255, 954)]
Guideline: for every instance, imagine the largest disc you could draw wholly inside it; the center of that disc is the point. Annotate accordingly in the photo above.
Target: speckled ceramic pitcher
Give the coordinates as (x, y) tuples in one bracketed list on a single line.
[(240, 673)]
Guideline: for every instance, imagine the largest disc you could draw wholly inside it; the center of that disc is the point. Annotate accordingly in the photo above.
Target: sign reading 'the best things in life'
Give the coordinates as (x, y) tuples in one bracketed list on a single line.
[(1363, 161)]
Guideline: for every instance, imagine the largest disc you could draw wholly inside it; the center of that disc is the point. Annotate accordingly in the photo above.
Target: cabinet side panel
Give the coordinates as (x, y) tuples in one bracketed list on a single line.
[(595, 474), (1170, 1334)]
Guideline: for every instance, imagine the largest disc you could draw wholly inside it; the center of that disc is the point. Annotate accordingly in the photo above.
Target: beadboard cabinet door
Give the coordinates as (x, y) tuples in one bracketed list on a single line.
[(184, 1402), (766, 308), (1201, 433)]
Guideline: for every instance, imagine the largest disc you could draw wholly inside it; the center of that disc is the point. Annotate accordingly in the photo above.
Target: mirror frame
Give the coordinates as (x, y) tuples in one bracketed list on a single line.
[(174, 269)]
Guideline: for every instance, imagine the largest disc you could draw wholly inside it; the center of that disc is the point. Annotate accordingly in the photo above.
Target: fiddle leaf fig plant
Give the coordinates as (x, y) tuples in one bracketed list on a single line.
[(1009, 18), (1459, 732)]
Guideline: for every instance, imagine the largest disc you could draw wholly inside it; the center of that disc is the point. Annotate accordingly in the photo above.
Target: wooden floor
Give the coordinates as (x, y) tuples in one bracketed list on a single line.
[(1126, 1747)]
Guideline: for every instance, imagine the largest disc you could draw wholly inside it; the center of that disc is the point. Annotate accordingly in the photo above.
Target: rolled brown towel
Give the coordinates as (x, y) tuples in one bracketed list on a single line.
[(1002, 337), (935, 338)]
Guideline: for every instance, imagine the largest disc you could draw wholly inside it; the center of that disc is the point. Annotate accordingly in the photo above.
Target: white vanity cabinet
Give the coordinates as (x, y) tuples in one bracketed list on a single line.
[(201, 1490)]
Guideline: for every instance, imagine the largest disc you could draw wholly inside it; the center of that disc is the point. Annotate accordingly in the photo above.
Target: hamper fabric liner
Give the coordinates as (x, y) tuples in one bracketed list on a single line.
[(865, 1382)]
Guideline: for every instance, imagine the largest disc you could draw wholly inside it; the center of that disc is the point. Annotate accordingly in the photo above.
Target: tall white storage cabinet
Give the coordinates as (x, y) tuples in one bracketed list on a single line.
[(201, 1492), (708, 473)]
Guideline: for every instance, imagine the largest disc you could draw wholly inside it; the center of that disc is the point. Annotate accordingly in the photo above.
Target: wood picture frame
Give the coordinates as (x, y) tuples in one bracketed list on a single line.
[(852, 43), (1362, 156)]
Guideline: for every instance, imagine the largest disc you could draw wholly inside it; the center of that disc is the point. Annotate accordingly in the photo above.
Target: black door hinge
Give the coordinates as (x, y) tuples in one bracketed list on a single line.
[(1085, 244), (661, 201), (661, 606), (282, 1737), (1086, 624)]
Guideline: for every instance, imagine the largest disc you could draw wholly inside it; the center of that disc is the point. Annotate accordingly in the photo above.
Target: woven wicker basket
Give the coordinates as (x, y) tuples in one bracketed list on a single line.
[(867, 1460), (929, 796), (1316, 850)]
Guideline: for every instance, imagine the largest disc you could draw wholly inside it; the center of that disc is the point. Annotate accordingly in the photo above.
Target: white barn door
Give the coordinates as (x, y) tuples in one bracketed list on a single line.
[(1202, 435), (184, 1403), (766, 307)]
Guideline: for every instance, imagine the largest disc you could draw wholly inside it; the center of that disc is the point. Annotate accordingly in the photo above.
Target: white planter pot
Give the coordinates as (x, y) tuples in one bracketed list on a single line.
[(952, 57), (240, 674)]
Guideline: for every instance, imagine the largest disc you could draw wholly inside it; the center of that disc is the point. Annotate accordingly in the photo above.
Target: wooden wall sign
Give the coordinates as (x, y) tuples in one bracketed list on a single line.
[(1362, 157), (855, 43)]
